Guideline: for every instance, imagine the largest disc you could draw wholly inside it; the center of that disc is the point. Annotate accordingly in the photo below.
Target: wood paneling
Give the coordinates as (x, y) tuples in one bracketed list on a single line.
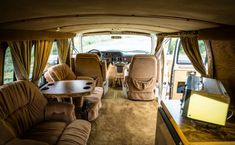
[(224, 66), (221, 33)]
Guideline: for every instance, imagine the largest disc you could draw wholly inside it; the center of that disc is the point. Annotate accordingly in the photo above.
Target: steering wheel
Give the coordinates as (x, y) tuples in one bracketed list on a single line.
[(96, 51)]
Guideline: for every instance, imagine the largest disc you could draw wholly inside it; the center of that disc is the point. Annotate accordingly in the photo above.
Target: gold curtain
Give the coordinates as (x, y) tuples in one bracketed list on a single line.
[(191, 48), (63, 49), (41, 55), (210, 59), (21, 56), (159, 45)]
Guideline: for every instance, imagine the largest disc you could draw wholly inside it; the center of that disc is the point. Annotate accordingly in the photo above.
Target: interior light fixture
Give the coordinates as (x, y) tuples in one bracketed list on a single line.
[(57, 29)]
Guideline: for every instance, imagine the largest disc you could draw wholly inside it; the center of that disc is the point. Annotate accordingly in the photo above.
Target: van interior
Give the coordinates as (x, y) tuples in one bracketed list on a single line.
[(99, 72)]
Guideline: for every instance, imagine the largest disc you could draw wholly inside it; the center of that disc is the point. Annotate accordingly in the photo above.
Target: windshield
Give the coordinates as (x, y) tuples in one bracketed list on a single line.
[(126, 43)]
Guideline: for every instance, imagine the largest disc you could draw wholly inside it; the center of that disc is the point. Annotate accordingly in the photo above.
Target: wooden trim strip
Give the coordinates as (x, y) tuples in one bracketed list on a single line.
[(7, 35), (220, 33)]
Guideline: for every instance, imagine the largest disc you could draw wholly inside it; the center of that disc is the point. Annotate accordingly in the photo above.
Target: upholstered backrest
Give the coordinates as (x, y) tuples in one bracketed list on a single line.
[(87, 64), (59, 72), (21, 106), (142, 77)]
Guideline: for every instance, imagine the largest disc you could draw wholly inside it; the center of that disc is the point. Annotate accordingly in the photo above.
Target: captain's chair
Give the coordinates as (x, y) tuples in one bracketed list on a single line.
[(142, 77), (87, 64)]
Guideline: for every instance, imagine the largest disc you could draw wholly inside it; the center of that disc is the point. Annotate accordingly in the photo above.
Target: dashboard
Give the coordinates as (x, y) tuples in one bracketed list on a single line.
[(116, 56)]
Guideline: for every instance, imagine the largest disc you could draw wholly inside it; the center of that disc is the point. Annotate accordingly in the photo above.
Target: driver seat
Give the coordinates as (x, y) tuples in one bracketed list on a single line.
[(89, 64)]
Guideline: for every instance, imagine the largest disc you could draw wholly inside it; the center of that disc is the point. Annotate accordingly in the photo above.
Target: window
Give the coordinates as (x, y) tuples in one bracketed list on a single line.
[(172, 46), (127, 43), (182, 58), (202, 48), (8, 67)]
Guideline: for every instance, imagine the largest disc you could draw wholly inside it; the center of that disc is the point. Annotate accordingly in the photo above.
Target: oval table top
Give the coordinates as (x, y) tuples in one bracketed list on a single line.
[(68, 88)]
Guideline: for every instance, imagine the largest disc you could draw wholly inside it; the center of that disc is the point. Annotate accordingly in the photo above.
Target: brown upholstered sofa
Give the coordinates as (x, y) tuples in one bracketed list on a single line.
[(27, 118), (63, 72)]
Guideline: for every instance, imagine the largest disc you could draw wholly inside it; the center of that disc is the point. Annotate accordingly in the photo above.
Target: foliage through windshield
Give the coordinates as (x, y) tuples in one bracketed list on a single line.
[(128, 43)]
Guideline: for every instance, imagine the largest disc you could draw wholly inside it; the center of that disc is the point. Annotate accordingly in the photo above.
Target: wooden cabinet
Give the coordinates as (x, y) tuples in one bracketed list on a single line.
[(174, 129), (163, 136)]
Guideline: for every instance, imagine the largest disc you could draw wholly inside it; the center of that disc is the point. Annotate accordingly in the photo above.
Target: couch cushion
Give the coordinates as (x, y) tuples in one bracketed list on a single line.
[(48, 132), (59, 72), (21, 105), (76, 133), (18, 141)]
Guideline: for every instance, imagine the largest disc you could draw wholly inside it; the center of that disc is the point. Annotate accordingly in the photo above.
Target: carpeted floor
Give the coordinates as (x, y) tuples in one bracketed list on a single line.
[(124, 122)]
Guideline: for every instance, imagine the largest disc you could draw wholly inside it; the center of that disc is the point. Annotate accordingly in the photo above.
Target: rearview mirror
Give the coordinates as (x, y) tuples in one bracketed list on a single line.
[(116, 37)]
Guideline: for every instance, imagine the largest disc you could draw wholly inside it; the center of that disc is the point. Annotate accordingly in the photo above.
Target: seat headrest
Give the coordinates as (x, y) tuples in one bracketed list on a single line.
[(143, 56), (88, 55)]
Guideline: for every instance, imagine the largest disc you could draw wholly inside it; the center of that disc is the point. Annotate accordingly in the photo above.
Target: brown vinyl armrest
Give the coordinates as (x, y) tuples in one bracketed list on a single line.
[(18, 141), (60, 112), (104, 69)]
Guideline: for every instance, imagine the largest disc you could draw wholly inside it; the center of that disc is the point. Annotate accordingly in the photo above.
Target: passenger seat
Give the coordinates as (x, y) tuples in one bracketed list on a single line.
[(142, 77), (87, 64)]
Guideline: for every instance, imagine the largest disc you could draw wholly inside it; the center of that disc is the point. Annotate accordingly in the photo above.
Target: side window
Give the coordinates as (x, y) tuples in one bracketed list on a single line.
[(182, 58), (172, 45), (8, 67), (202, 48)]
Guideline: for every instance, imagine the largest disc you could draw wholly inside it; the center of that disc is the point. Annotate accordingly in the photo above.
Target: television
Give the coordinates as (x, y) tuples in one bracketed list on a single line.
[(206, 100)]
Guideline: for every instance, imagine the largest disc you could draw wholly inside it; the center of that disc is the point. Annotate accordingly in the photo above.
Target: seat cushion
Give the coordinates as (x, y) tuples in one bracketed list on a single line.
[(59, 72), (48, 132), (76, 133), (94, 99), (142, 77)]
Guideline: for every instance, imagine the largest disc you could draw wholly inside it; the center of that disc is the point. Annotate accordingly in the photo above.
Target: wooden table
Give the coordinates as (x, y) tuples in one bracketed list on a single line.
[(189, 131), (68, 89)]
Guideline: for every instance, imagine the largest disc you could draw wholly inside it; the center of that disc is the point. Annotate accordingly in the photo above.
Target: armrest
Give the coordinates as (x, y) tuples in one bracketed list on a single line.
[(60, 112), (104, 69), (17, 141)]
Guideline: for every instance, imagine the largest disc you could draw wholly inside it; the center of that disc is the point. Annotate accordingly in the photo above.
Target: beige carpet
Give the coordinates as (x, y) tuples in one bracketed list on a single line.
[(124, 122)]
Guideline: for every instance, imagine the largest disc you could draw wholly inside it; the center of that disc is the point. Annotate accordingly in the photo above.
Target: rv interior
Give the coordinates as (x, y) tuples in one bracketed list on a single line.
[(101, 72)]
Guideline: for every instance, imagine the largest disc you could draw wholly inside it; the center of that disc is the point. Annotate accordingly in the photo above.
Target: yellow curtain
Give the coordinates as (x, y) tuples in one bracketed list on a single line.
[(210, 59), (191, 48), (63, 49), (159, 45), (21, 56), (41, 55)]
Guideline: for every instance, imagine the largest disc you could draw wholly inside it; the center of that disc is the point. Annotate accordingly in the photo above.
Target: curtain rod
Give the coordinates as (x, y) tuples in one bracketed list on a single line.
[(179, 34)]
